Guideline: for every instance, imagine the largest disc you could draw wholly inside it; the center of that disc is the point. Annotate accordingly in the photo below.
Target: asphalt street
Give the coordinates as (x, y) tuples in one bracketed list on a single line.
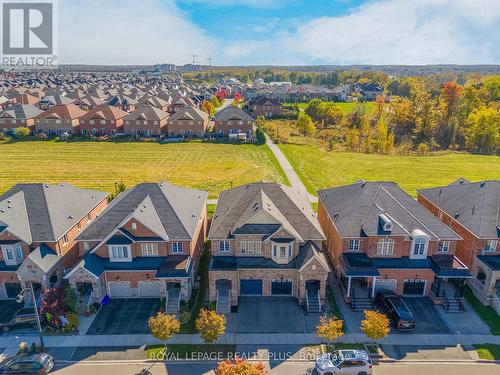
[(285, 368)]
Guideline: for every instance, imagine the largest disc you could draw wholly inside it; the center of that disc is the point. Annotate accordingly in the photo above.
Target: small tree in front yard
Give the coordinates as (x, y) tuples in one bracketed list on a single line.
[(22, 132), (240, 366), (330, 328), (375, 325), (163, 326), (210, 325)]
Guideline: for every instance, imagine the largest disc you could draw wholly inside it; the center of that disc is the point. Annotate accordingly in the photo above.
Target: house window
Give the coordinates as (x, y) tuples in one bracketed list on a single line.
[(282, 251), (85, 245), (243, 247), (65, 238), (19, 252), (224, 246), (79, 225), (119, 252), (353, 245), (275, 250), (257, 247), (177, 247), (385, 246), (89, 217), (491, 246), (149, 249), (419, 247), (250, 247), (134, 226), (444, 246)]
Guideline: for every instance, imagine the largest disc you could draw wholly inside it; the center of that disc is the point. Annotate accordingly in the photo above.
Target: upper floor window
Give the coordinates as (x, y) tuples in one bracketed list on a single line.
[(224, 246), (419, 247), (385, 246), (149, 249), (491, 246), (353, 245), (444, 246), (89, 216), (177, 247), (282, 251), (120, 252), (65, 238), (85, 245), (12, 255), (134, 226)]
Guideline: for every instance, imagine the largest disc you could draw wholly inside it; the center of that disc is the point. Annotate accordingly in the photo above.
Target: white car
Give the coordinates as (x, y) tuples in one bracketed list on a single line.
[(349, 362)]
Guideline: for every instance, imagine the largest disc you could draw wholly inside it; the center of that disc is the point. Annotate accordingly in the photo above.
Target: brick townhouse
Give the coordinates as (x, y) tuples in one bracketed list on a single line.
[(102, 120), (59, 119), (18, 115), (233, 120), (38, 226), (145, 244), (265, 106), (378, 237), (266, 241), (472, 209), (188, 121), (146, 121)]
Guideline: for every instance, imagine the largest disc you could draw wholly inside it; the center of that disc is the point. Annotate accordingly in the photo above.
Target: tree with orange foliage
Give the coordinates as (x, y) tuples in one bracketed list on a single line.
[(240, 366)]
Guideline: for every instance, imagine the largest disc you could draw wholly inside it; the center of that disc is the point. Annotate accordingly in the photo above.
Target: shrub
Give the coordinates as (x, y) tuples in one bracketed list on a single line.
[(73, 322), (261, 137), (330, 328), (210, 325), (71, 298), (22, 132), (240, 367), (375, 325)]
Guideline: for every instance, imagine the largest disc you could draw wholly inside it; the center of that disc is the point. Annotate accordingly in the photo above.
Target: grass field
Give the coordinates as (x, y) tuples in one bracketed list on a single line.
[(98, 165), (320, 169), (344, 106)]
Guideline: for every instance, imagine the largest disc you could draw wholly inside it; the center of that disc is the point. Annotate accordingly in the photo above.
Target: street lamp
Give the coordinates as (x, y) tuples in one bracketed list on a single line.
[(20, 298)]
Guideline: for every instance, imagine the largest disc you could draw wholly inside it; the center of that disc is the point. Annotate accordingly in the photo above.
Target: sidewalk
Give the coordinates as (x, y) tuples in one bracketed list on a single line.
[(251, 339), (290, 173)]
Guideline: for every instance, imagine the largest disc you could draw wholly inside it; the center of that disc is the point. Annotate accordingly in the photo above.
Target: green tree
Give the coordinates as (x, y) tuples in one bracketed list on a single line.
[(384, 139), (483, 132), (210, 325), (305, 125)]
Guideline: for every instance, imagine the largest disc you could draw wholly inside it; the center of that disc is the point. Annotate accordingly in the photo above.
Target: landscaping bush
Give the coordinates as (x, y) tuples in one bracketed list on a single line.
[(261, 137), (73, 322), (22, 132)]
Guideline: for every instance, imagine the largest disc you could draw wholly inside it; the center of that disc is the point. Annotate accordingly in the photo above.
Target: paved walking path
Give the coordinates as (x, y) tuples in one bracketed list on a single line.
[(290, 173), (249, 339)]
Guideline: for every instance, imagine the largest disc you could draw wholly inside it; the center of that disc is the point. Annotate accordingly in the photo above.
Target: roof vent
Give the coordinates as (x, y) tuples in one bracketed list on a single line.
[(336, 215), (385, 222), (71, 217), (482, 183), (9, 206), (2, 211), (473, 209), (457, 214)]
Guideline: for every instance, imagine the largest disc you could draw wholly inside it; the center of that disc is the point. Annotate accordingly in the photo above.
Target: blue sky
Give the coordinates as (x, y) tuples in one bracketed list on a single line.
[(280, 32)]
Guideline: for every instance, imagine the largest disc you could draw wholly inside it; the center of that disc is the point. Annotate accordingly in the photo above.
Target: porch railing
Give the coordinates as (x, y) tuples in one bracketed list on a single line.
[(476, 286), (360, 303), (307, 301), (454, 303), (319, 301), (90, 300)]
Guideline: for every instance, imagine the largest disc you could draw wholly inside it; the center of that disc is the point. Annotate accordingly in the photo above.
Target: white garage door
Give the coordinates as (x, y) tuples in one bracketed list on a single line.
[(150, 289), (119, 289), (386, 284)]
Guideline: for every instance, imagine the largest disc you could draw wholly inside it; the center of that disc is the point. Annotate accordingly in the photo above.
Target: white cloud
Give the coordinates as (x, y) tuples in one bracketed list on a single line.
[(389, 32), (127, 32), (249, 3)]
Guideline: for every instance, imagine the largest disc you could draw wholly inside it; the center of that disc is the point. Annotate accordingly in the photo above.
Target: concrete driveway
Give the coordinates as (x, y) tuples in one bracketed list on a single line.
[(273, 315), (7, 310), (427, 321), (124, 317)]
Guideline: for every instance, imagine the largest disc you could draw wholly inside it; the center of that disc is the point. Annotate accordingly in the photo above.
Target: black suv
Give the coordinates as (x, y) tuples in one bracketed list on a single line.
[(396, 310), (25, 317)]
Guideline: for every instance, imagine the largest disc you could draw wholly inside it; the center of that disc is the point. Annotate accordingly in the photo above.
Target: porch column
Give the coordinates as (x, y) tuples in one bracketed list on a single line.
[(348, 286), (373, 285)]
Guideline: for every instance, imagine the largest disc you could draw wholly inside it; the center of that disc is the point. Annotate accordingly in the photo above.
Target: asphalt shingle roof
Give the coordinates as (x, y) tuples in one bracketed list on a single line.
[(356, 209), (475, 205)]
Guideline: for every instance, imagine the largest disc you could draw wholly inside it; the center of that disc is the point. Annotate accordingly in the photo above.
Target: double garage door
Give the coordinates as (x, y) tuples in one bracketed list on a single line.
[(253, 287), (9, 290), (123, 289)]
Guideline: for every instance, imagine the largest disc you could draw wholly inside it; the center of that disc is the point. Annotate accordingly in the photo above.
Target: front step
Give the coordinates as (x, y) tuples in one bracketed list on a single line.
[(314, 304), (454, 305), (362, 304)]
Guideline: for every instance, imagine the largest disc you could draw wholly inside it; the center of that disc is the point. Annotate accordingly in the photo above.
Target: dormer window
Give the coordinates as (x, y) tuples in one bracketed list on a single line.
[(120, 253), (419, 247), (134, 226)]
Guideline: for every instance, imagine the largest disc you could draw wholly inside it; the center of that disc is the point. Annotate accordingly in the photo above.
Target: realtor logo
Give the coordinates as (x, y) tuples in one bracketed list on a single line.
[(28, 30)]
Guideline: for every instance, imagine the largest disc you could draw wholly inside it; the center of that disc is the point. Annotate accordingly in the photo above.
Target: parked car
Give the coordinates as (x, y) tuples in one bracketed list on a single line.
[(28, 364), (349, 362), (25, 317), (395, 308)]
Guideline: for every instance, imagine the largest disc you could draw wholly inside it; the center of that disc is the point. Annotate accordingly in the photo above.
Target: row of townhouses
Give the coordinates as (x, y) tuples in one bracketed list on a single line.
[(265, 240)]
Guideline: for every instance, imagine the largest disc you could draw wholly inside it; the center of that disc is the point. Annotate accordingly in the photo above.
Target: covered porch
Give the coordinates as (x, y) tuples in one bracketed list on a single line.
[(449, 282), (486, 281)]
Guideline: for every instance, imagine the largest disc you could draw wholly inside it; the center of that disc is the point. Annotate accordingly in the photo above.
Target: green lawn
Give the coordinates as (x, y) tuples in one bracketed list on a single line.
[(486, 313), (98, 165), (488, 351), (321, 169), (346, 107)]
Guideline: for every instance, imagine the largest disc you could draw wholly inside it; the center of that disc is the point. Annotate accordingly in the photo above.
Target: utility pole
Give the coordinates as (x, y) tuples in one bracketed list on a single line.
[(209, 61), (194, 55)]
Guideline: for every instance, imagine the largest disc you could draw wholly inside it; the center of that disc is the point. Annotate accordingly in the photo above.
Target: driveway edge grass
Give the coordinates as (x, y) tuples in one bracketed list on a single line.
[(486, 313)]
